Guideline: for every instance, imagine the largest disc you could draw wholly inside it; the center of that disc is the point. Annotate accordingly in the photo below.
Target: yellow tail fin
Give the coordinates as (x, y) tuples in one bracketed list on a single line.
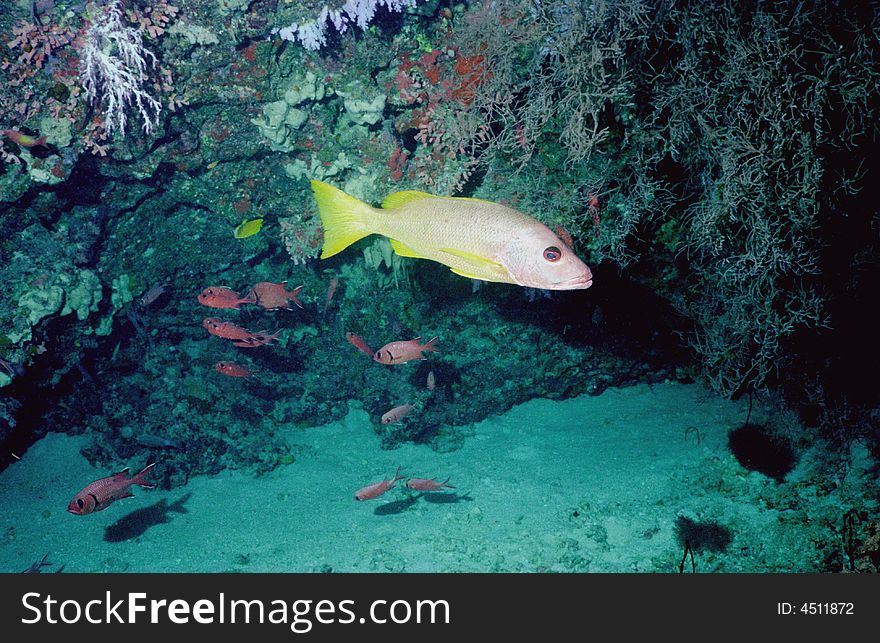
[(344, 218)]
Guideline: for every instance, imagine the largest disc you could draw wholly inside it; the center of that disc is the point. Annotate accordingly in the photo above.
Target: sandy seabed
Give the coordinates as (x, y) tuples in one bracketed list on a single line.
[(593, 483)]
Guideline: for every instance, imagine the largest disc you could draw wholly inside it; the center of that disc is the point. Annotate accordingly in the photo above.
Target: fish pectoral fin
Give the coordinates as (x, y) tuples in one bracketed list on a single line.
[(404, 251), (464, 274), (477, 260), (398, 199)]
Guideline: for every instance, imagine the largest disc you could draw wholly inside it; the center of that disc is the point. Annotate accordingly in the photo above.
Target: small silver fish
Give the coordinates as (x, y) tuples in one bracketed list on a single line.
[(151, 295)]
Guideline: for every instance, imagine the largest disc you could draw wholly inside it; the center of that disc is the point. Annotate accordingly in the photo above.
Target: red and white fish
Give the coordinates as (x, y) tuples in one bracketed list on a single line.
[(377, 489), (225, 329), (240, 336), (231, 369), (273, 296), (223, 297), (359, 343), (102, 493), (404, 351), (427, 484), (397, 414)]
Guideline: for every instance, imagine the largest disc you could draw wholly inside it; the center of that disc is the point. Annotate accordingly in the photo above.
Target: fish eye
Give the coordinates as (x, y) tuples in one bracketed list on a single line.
[(552, 253), (209, 291), (79, 503), (221, 364)]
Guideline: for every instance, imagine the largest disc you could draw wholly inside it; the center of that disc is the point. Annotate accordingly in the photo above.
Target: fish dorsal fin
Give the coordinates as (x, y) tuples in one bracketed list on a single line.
[(398, 199), (124, 472), (404, 250), (477, 260), (470, 198)]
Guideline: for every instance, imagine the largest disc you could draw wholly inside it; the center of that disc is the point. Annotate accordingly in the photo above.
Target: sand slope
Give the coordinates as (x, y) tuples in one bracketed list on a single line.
[(588, 484)]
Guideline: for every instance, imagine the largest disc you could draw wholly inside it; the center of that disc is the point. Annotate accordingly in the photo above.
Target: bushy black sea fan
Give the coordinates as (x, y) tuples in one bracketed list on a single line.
[(702, 536), (757, 450)]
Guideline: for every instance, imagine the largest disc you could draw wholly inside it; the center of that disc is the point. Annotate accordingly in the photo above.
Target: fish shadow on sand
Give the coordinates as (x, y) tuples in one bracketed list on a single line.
[(437, 498), (396, 507), (449, 498), (137, 522)]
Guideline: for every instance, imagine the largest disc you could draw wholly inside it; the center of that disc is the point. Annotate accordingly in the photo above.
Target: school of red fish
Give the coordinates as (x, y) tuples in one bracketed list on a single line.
[(101, 493)]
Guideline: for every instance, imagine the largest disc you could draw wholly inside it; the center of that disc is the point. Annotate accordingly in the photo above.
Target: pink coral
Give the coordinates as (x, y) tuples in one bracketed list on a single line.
[(153, 19), (35, 43)]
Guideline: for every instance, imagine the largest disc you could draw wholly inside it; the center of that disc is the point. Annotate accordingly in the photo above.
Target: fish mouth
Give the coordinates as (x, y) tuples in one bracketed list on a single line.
[(581, 282)]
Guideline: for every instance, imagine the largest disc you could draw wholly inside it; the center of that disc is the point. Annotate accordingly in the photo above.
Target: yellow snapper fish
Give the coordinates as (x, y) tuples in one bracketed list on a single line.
[(475, 238)]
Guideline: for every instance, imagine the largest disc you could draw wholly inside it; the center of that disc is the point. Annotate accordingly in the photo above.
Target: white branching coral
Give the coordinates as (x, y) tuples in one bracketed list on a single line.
[(312, 34), (113, 70)]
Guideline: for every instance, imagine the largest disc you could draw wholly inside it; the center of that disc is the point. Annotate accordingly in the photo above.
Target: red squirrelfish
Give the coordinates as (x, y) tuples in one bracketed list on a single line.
[(474, 238), (404, 351), (104, 492), (240, 336), (375, 490), (358, 342), (223, 297), (427, 484), (232, 370), (397, 413), (225, 329), (272, 296)]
